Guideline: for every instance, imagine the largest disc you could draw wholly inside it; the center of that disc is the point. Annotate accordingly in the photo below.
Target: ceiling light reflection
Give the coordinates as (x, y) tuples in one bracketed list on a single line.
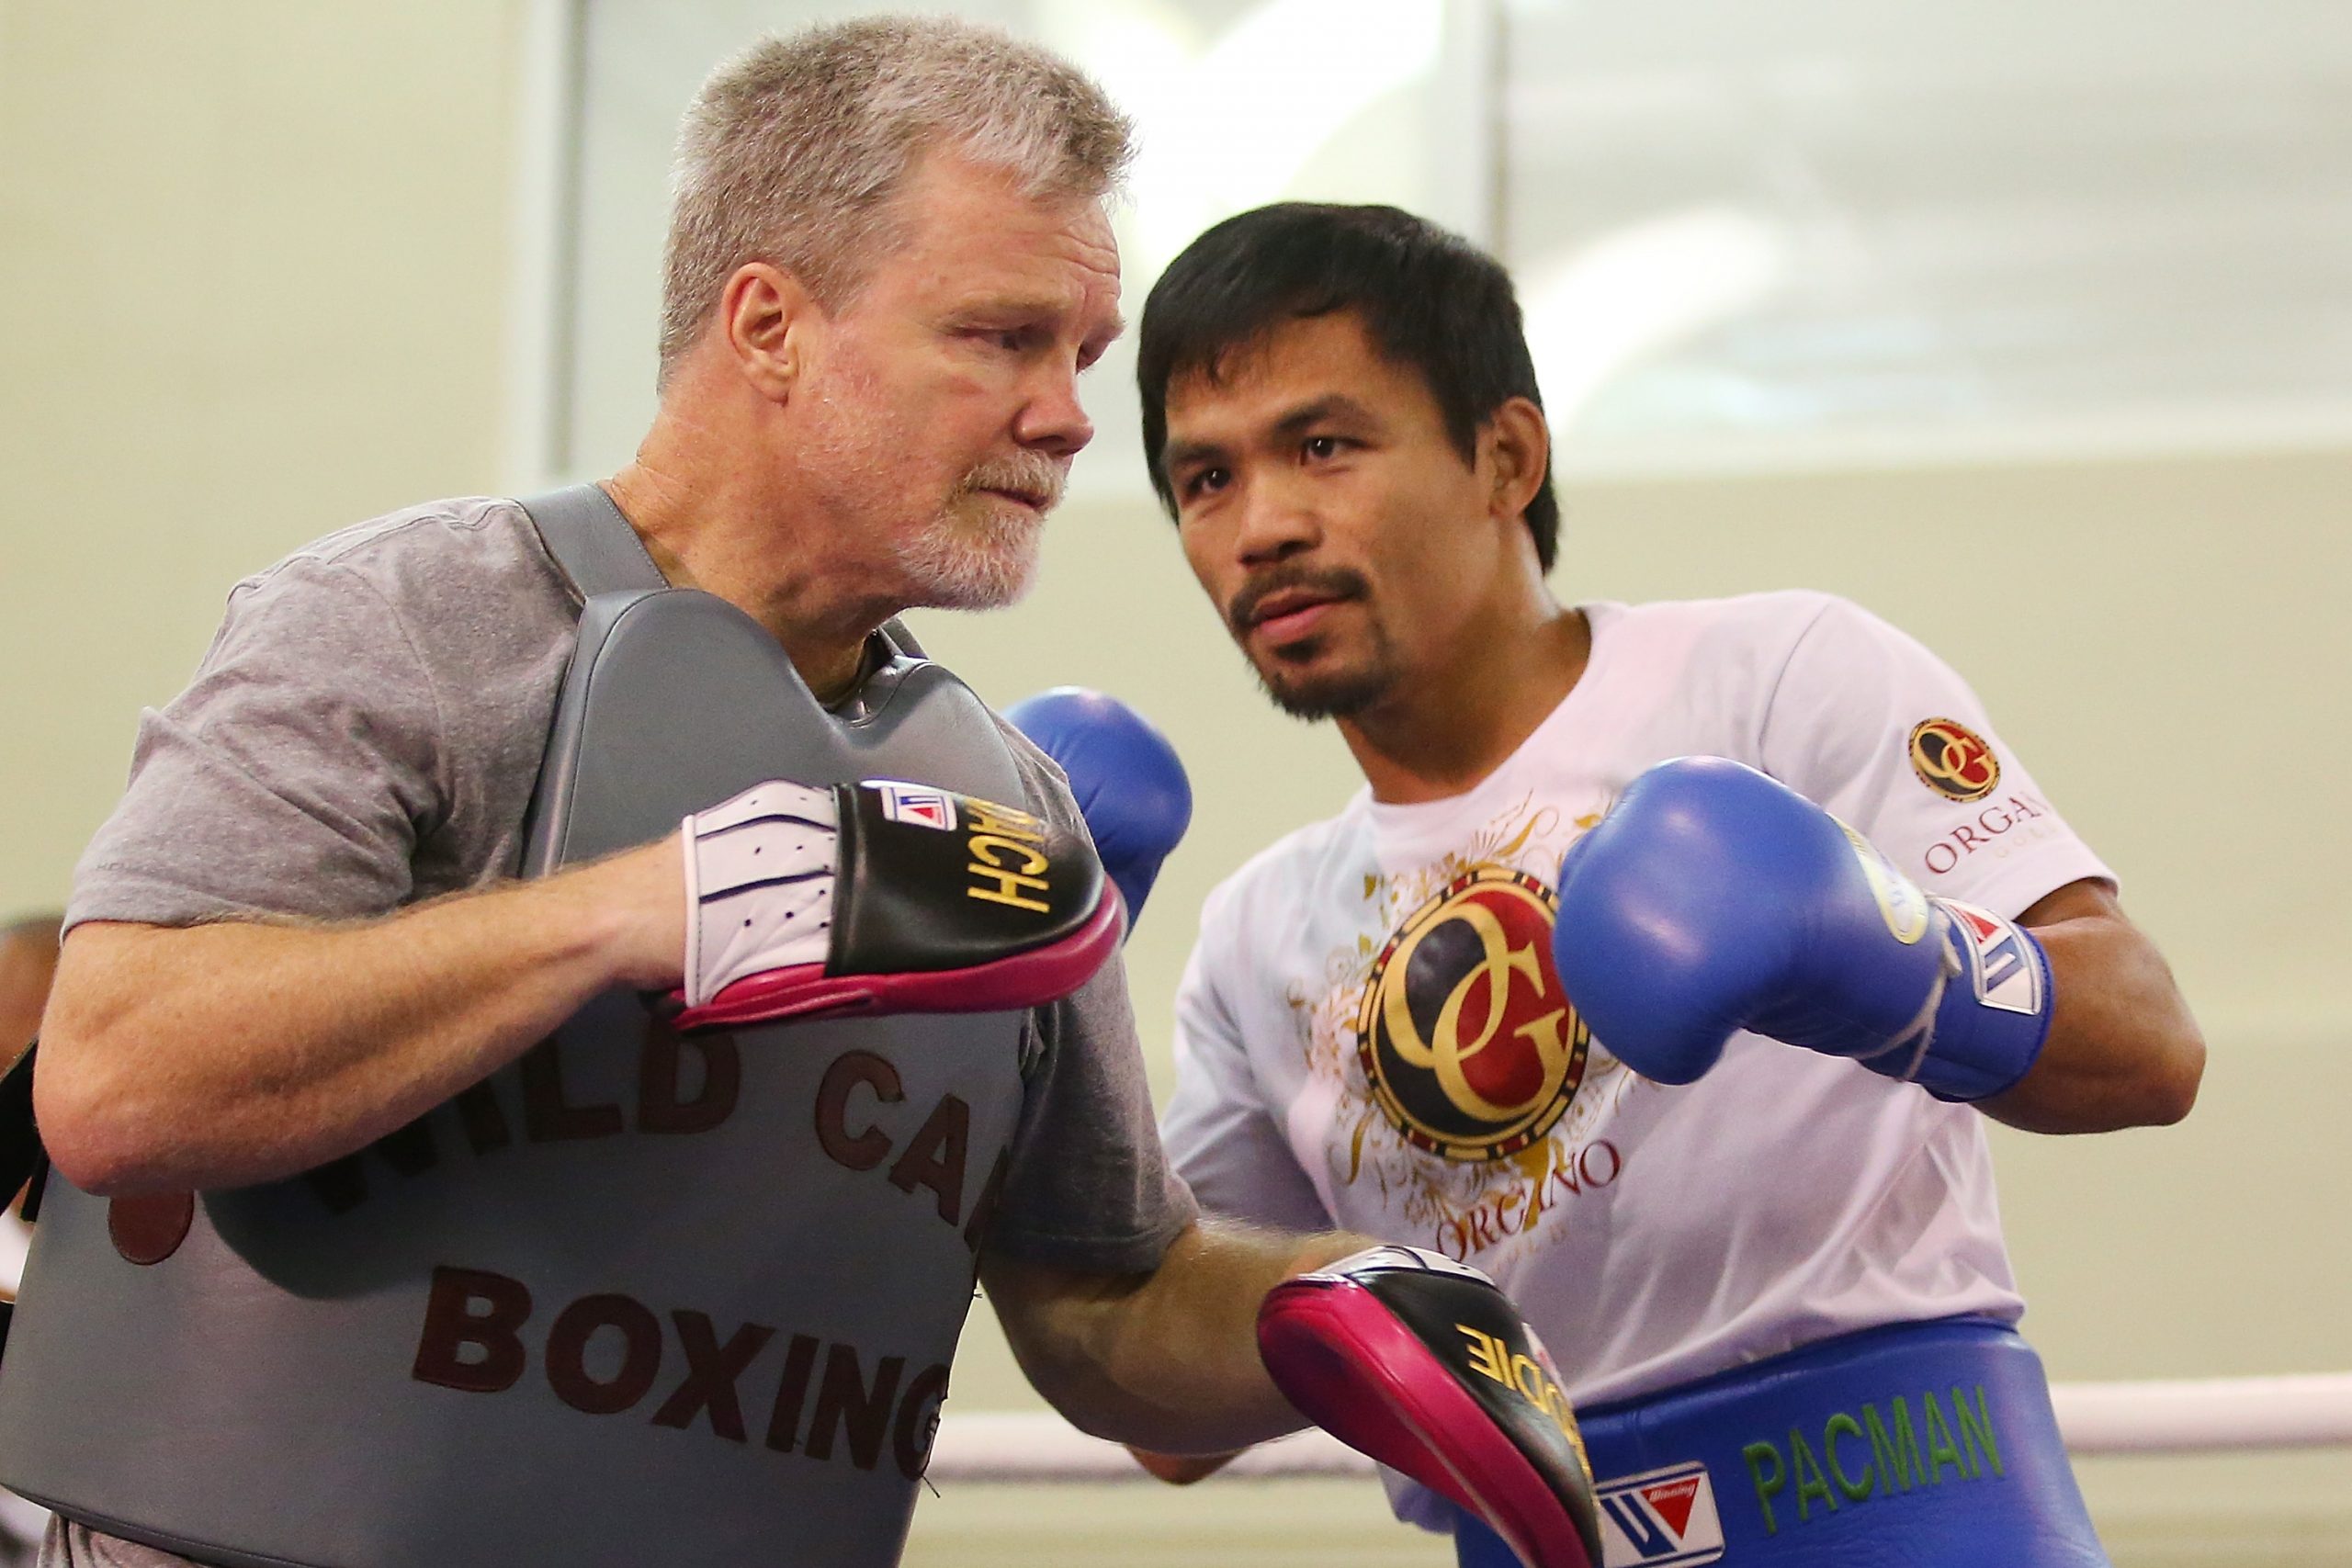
[(1230, 121), (1636, 293)]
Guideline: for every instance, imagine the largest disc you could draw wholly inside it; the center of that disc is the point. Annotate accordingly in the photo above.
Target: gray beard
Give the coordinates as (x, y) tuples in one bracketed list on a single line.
[(981, 565)]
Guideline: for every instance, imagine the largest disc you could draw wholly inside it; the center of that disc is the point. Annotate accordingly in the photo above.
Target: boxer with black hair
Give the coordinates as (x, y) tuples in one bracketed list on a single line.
[(1644, 974)]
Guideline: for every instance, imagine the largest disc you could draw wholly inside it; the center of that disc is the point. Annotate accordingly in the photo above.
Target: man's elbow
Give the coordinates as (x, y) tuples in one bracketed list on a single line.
[(2155, 1086), (2170, 1088), (1083, 1394), (89, 1111), (1179, 1470), (82, 1129), (1084, 1399)]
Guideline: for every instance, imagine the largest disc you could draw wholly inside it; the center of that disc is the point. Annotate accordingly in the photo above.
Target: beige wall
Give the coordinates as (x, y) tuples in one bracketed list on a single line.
[(252, 287), (252, 268)]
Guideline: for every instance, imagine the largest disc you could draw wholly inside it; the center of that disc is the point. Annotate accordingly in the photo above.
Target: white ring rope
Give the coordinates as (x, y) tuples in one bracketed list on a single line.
[(2193, 1416), (2206, 1414)]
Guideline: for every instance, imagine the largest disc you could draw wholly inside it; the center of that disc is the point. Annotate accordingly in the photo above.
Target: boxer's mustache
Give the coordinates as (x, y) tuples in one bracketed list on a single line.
[(1036, 477), (1331, 582)]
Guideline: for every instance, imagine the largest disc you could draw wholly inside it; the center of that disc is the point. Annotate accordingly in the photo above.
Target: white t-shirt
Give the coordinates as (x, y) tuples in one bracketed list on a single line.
[(1339, 1057)]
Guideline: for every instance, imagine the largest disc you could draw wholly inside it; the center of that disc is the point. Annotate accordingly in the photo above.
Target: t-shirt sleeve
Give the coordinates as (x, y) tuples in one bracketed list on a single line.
[(1089, 1187), (294, 775), (1870, 725), (1221, 1132)]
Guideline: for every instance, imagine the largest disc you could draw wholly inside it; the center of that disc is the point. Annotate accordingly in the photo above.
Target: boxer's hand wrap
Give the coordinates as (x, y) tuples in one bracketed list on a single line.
[(883, 897), (1424, 1365), (1713, 898)]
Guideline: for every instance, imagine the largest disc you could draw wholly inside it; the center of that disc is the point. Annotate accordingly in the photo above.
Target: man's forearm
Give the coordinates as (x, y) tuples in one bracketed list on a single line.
[(1167, 1360), (223, 1055), (2123, 1049)]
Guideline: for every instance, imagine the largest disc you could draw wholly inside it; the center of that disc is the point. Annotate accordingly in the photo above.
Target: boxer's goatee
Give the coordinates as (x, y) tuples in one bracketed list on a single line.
[(1340, 694), (1287, 678)]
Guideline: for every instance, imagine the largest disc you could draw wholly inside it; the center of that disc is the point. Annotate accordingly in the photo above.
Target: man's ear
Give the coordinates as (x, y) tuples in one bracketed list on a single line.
[(768, 319), (1518, 446)]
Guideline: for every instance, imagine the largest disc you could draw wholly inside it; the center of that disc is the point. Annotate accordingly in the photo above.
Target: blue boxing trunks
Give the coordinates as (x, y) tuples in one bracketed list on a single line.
[(1931, 1445)]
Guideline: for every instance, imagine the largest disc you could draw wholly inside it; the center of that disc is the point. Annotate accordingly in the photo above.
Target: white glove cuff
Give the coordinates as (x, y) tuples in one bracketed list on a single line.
[(1922, 1027), (760, 874)]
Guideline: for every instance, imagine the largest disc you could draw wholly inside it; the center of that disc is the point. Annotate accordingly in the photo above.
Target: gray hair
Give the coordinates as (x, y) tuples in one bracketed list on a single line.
[(791, 152)]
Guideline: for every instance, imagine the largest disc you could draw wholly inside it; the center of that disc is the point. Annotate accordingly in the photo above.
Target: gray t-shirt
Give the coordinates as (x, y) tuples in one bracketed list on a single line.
[(365, 733)]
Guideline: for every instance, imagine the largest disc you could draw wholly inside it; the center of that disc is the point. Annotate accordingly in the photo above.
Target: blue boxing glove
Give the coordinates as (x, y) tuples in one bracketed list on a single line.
[(1127, 778), (1713, 898)]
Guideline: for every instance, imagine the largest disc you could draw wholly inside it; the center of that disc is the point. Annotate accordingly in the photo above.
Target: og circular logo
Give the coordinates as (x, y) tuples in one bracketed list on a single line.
[(1466, 1037), (1953, 759)]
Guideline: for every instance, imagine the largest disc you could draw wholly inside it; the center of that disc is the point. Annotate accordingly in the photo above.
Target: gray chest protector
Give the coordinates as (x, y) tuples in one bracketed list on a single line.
[(636, 1298)]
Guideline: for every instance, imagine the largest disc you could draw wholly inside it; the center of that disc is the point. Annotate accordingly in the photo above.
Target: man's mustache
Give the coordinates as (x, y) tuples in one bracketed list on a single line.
[(1332, 581), (1037, 476)]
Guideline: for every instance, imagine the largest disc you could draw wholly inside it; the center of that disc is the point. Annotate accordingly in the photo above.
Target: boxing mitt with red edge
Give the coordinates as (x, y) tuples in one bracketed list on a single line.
[(1421, 1364), (883, 897)]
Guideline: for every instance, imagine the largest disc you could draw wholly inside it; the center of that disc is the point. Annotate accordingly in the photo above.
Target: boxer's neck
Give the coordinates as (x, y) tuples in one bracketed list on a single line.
[(1442, 729), (714, 526)]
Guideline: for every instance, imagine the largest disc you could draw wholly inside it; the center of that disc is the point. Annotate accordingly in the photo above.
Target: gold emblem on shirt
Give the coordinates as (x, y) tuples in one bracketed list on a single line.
[(1470, 1047), (1953, 759)]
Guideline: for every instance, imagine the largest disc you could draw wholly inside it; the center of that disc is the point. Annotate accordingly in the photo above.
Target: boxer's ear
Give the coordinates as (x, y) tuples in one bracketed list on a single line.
[(768, 317), (1516, 445)]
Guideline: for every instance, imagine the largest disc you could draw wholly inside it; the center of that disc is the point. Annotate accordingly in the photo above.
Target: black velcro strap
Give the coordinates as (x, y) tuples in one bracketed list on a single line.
[(22, 1158), (933, 880)]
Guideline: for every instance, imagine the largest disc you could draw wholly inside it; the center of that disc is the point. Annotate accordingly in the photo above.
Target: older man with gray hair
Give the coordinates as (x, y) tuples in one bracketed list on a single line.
[(383, 1276)]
